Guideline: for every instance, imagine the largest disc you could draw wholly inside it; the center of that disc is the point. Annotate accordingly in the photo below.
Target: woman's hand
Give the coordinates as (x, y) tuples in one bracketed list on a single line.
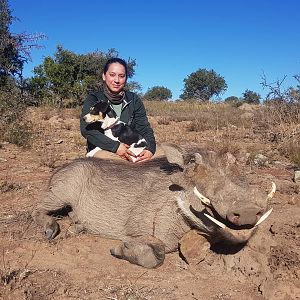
[(144, 156), (123, 152)]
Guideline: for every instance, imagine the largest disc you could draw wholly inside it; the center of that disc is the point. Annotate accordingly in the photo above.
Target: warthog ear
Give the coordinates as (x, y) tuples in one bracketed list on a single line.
[(173, 153)]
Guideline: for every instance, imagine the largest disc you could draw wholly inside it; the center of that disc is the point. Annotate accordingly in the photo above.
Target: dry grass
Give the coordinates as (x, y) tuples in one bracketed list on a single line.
[(222, 125), (14, 128), (19, 133), (282, 122), (6, 186), (207, 116), (277, 126)]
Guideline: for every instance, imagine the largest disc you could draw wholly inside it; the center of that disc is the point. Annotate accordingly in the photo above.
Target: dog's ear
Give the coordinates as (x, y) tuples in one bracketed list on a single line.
[(102, 106)]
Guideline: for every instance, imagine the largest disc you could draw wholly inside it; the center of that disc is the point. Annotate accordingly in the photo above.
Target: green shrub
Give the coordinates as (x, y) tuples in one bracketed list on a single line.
[(233, 101)]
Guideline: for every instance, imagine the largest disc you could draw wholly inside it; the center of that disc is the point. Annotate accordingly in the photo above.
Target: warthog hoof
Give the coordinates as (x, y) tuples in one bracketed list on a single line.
[(51, 230), (145, 255)]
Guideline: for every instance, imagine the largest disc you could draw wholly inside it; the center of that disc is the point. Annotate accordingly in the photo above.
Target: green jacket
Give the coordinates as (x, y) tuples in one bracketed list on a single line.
[(133, 113)]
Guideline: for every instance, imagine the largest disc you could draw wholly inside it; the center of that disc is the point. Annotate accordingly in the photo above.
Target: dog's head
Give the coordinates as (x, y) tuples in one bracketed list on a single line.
[(97, 113)]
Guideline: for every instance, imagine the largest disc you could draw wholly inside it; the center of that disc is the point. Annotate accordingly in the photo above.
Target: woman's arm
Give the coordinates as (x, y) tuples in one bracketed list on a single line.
[(142, 125)]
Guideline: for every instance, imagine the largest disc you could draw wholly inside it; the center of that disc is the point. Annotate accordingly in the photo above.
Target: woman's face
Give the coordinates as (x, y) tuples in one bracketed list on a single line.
[(115, 77)]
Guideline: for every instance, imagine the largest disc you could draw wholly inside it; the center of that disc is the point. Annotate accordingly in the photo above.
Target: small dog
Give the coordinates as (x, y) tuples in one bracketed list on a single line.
[(114, 129)]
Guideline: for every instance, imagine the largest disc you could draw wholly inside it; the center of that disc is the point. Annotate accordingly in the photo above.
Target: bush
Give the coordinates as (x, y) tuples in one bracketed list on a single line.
[(19, 134), (233, 101), (294, 153), (14, 128), (251, 97), (158, 93)]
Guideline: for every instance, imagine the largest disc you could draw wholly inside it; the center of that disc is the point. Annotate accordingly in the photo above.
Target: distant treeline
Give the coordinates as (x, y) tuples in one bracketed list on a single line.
[(65, 78)]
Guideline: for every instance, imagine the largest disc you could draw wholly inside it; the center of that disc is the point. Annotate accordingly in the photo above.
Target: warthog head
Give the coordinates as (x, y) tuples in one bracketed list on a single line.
[(232, 207)]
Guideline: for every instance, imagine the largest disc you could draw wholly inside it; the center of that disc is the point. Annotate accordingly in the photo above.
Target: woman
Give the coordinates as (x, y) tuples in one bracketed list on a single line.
[(125, 105)]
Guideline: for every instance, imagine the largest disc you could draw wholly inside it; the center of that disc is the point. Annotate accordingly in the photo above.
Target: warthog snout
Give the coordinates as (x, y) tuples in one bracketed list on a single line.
[(246, 216)]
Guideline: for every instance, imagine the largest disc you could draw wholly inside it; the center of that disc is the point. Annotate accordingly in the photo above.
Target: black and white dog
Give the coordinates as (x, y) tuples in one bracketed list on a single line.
[(114, 129)]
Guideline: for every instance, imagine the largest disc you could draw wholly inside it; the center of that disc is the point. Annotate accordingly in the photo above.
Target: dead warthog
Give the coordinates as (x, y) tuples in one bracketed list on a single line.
[(151, 207)]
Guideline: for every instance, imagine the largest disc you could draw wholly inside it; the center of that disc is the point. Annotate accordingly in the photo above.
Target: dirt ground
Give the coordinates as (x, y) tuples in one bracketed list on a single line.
[(79, 266)]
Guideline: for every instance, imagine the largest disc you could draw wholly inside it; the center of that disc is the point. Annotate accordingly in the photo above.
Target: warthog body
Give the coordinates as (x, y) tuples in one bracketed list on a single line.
[(151, 207)]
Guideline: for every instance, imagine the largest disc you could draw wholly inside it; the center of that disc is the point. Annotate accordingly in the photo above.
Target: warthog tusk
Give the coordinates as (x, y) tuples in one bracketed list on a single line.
[(215, 221), (184, 207), (273, 190), (263, 217), (203, 199)]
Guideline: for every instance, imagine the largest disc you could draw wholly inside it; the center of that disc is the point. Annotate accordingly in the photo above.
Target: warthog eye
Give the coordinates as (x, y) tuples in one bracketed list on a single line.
[(259, 214)]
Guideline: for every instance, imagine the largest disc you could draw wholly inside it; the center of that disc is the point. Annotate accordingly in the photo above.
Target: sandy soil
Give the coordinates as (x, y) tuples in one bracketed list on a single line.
[(81, 267)]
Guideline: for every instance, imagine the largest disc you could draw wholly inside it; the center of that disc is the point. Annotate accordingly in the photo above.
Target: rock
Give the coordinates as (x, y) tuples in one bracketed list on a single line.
[(193, 247), (260, 160), (287, 187), (297, 176)]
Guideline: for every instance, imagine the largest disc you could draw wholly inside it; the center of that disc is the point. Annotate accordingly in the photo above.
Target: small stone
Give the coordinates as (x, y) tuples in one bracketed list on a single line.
[(297, 176), (261, 160)]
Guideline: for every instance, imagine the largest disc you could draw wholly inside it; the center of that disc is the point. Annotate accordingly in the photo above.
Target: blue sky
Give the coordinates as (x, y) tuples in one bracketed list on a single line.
[(240, 40)]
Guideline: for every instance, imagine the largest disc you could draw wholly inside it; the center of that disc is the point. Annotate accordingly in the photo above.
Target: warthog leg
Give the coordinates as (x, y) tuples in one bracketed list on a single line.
[(51, 228), (147, 252), (41, 217)]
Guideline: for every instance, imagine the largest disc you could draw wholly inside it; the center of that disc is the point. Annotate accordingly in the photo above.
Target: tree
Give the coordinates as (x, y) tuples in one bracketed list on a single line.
[(67, 75), (14, 48), (202, 85), (134, 86), (158, 93), (234, 101), (231, 99), (251, 97), (279, 94)]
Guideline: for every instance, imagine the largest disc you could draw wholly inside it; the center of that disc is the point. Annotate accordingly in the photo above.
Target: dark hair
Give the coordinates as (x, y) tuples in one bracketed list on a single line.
[(116, 60)]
